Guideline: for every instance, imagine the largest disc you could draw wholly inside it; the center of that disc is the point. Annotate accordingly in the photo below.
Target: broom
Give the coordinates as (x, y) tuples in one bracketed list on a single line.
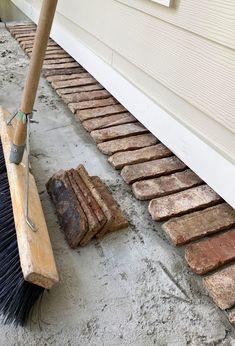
[(27, 265)]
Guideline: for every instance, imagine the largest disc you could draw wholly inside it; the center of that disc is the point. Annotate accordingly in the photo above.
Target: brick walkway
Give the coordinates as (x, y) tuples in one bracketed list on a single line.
[(192, 210)]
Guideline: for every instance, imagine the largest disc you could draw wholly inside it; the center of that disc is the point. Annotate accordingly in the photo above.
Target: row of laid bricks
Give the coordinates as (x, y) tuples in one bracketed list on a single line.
[(194, 210)]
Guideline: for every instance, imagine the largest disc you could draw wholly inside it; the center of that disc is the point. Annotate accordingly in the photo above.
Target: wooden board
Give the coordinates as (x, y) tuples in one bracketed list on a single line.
[(36, 255)]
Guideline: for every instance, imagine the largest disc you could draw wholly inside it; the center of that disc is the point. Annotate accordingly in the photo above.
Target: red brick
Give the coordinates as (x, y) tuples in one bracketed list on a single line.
[(91, 87), (73, 82), (128, 143), (91, 104), (182, 230), (166, 185), (107, 121), (93, 223), (56, 56), (98, 197), (151, 169), (66, 77), (62, 71), (119, 131), (60, 66), (209, 254), (119, 220), (99, 112), (183, 202), (22, 37), (57, 61), (70, 213), (221, 287), (158, 151), (86, 96), (232, 316)]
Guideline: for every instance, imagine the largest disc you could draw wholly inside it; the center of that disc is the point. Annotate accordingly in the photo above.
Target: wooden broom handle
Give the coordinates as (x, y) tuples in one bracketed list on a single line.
[(35, 67)]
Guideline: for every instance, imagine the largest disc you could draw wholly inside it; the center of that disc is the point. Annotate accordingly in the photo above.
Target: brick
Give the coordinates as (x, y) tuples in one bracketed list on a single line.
[(28, 44), (166, 185), (93, 223), (22, 37), (102, 203), (119, 131), (91, 87), (22, 31), (231, 316), (128, 143), (57, 61), (207, 255), (180, 203), (62, 71), (60, 66), (119, 221), (65, 77), (71, 216), (221, 287), (158, 151), (151, 169), (86, 96), (91, 104), (107, 121), (99, 112), (56, 56), (73, 82), (184, 229)]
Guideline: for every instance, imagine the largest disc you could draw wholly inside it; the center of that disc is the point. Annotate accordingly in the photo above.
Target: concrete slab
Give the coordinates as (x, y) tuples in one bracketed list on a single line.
[(115, 291)]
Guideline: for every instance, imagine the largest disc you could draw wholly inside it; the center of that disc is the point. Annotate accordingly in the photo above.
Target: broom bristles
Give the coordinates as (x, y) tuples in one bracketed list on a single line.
[(17, 296)]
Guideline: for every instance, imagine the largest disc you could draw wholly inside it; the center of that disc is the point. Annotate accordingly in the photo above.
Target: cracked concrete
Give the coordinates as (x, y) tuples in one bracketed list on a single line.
[(118, 290)]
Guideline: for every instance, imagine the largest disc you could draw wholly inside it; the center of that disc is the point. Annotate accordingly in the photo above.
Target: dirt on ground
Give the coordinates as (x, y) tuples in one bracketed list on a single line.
[(130, 288)]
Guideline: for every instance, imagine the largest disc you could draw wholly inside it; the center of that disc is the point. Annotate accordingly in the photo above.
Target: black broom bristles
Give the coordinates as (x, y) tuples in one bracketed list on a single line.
[(17, 296)]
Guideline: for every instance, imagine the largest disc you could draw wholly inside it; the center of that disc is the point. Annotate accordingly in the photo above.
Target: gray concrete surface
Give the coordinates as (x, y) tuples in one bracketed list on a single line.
[(114, 291)]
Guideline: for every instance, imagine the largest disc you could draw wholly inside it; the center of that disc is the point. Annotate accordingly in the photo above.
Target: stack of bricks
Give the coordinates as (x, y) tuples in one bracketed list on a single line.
[(84, 205), (191, 209)]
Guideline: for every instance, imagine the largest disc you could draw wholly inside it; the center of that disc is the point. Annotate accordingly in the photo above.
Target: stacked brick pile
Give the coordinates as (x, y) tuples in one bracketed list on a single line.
[(192, 212), (84, 205)]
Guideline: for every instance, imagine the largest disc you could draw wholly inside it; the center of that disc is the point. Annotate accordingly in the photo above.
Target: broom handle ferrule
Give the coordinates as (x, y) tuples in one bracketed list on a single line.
[(33, 76)]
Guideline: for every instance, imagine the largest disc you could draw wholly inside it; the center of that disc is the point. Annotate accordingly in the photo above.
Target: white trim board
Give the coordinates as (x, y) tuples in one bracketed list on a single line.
[(205, 161), (163, 2)]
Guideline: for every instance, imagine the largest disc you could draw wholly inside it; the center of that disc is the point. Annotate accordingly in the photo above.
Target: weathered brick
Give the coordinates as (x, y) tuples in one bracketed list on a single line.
[(231, 316), (85, 96), (93, 222), (62, 71), (209, 254), (49, 56), (91, 87), (151, 169), (221, 287), (65, 77), (99, 112), (57, 61), (128, 143), (158, 151), (22, 37), (28, 44), (158, 187), (60, 66), (70, 213), (119, 220), (91, 104), (102, 203), (182, 230), (73, 82), (119, 131), (183, 202), (107, 121)]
